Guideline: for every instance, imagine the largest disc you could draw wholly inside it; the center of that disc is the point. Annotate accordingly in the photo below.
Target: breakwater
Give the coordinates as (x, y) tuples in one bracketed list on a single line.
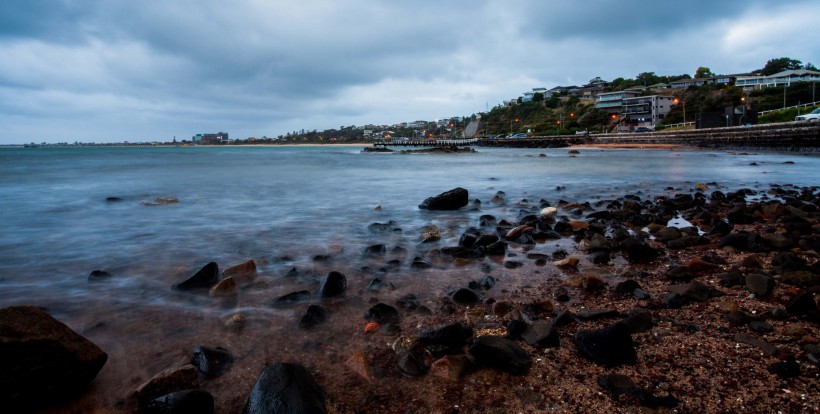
[(792, 136)]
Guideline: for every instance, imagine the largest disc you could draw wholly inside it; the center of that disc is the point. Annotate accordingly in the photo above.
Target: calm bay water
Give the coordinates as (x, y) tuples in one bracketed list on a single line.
[(268, 203), (282, 206)]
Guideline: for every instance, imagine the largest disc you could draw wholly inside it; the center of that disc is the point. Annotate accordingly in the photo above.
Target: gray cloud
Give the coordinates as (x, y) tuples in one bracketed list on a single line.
[(152, 69)]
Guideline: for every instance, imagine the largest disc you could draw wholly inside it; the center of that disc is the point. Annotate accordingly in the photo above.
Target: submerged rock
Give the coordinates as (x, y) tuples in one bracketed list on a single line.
[(212, 362), (285, 388), (42, 360), (333, 285), (180, 402), (314, 315)]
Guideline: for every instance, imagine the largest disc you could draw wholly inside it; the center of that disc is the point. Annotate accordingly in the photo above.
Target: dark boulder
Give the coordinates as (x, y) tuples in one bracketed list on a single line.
[(42, 360), (453, 336), (204, 278), (181, 402), (314, 315), (99, 275), (212, 362), (333, 285), (501, 353), (542, 334), (449, 200), (383, 313), (638, 252), (412, 364), (285, 388), (611, 346), (465, 297), (760, 285), (291, 299)]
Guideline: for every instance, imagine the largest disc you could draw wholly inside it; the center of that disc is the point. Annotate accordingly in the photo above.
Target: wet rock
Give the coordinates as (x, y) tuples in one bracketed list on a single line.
[(500, 353), (390, 329), (382, 313), (668, 234), (593, 314), (173, 379), (449, 200), (375, 250), (638, 252), (204, 278), (451, 367), (453, 336), (801, 278), (785, 369), (313, 315), (236, 322), (212, 362), (639, 320), (225, 287), (611, 346), (600, 257), (359, 364), (759, 285), (567, 262), (412, 364), (291, 299), (542, 334), (465, 297), (181, 402), (285, 388), (242, 273), (430, 233), (408, 302), (804, 306), (420, 263), (333, 285), (97, 275), (378, 283), (627, 287), (42, 360)]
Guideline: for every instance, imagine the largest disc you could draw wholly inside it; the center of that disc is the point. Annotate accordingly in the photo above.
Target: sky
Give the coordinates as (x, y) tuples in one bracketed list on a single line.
[(152, 70)]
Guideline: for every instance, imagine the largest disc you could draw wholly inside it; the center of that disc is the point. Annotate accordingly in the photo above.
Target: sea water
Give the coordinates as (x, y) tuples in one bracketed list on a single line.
[(69, 211)]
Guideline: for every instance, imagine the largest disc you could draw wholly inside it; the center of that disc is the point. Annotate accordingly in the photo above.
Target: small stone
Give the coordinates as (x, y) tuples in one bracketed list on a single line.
[(187, 401), (465, 297), (313, 315), (285, 387), (759, 285), (450, 367), (236, 322), (542, 334), (568, 262), (767, 348), (611, 346), (639, 320), (174, 379), (785, 369), (212, 362), (204, 278), (243, 273), (333, 285), (616, 384), (291, 299), (359, 364), (383, 313)]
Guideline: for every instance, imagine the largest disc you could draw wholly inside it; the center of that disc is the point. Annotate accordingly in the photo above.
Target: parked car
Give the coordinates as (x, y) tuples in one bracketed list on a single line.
[(518, 135), (643, 129), (813, 116)]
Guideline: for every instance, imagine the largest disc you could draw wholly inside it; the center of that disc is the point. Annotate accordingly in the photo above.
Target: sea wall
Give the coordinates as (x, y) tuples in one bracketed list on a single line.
[(791, 136)]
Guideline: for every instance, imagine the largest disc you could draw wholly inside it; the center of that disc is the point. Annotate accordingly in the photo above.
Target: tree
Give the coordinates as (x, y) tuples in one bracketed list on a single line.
[(538, 97), (703, 72), (648, 78), (779, 65), (809, 66)]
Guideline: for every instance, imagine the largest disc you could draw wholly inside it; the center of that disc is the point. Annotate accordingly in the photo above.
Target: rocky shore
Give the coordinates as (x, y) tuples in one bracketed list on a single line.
[(703, 299)]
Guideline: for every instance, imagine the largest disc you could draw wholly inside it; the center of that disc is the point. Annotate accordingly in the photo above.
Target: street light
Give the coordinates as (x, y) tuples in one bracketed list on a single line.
[(676, 101)]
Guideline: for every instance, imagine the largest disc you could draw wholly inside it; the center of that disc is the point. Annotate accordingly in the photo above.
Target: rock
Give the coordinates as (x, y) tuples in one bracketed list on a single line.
[(785, 369), (377, 284), (453, 336), (640, 253), (547, 213), (181, 402), (412, 364), (225, 287), (161, 201), (314, 315), (600, 257), (242, 273), (465, 297), (285, 388), (42, 360), (97, 275), (359, 364), (616, 384), (759, 285), (736, 317), (698, 265), (212, 362), (204, 278), (567, 262), (375, 250), (761, 326), (500, 353), (450, 367), (667, 234), (627, 287), (408, 302), (333, 285), (382, 313), (800, 278), (804, 306), (611, 346), (639, 320), (430, 233), (449, 200), (767, 348), (291, 299), (593, 314), (541, 334), (173, 379), (420, 263), (236, 322), (731, 278)]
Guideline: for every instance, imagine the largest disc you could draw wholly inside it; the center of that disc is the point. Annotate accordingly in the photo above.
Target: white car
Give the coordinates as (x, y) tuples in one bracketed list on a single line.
[(813, 116)]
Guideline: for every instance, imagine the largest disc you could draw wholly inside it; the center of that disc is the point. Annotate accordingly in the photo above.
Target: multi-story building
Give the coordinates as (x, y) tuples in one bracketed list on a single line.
[(786, 77), (645, 111), (612, 101), (210, 138)]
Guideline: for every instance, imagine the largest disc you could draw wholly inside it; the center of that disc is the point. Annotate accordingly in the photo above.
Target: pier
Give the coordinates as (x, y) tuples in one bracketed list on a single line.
[(428, 143)]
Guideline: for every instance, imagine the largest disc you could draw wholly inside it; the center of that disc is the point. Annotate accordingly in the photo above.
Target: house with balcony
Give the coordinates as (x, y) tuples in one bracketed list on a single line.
[(613, 101), (786, 78), (644, 111), (714, 80)]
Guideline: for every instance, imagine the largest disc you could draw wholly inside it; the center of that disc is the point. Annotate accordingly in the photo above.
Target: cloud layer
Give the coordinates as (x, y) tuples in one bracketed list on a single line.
[(150, 70)]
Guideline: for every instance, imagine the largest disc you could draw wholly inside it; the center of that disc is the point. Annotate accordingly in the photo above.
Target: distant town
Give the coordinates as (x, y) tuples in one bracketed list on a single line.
[(781, 90)]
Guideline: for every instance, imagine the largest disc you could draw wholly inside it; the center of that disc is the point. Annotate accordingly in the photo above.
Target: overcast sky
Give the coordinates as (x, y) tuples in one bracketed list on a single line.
[(101, 70)]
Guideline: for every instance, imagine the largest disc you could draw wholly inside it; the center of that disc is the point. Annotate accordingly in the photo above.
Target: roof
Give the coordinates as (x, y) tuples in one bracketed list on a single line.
[(795, 72)]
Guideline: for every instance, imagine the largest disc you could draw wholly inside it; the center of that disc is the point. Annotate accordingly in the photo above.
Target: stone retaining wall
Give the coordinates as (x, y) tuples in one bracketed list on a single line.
[(793, 136)]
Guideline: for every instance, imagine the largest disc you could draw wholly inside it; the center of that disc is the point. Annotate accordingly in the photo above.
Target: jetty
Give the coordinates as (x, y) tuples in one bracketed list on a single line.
[(427, 143)]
